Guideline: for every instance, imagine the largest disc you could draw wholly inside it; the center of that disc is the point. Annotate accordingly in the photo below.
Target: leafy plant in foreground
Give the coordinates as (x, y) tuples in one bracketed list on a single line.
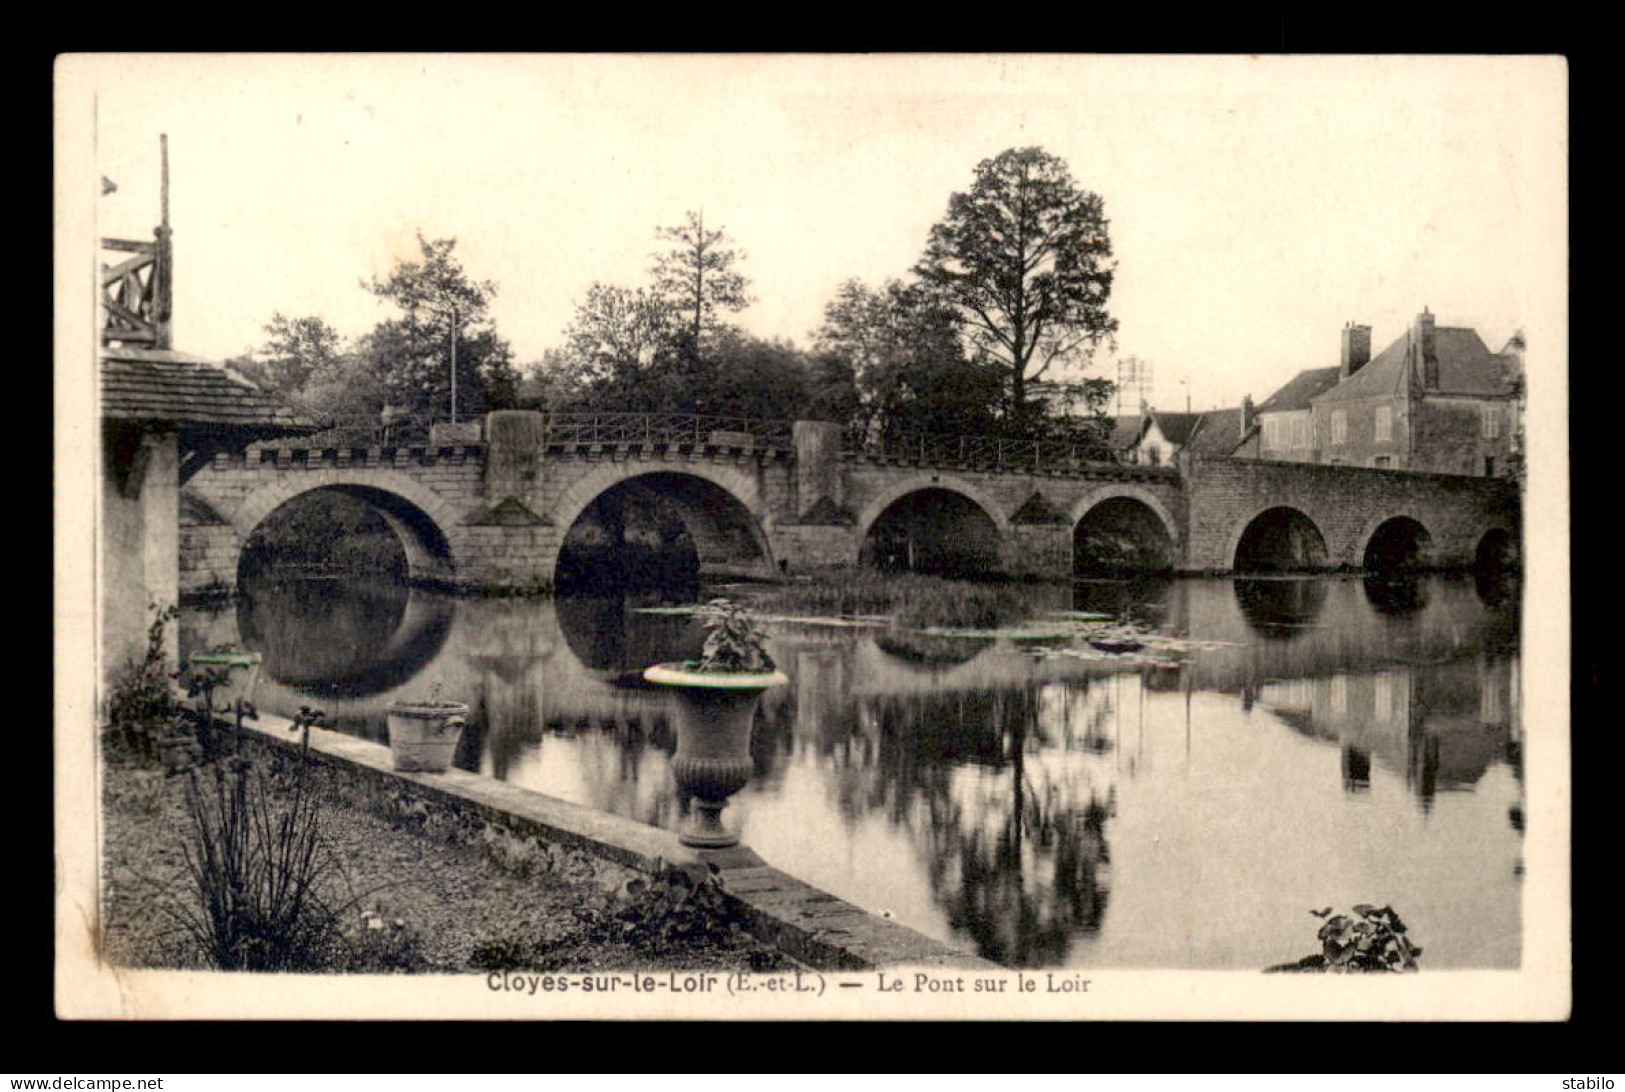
[(1367, 939), (258, 869), (141, 702)]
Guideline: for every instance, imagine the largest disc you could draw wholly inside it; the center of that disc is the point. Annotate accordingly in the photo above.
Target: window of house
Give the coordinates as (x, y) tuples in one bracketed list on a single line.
[(1489, 466), (1382, 462), (1300, 430), (1385, 423), (1340, 427), (1492, 421)]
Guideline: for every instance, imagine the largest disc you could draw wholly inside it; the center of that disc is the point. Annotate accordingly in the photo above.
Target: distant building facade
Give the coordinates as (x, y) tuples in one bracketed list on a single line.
[(1155, 438), (1436, 399)]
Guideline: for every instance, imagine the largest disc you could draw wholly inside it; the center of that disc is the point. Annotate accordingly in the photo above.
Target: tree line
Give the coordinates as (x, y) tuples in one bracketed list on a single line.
[(988, 333)]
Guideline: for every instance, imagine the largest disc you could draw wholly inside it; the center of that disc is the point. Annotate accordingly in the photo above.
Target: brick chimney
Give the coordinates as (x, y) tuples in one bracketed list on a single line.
[(1425, 350), (1356, 349), (1247, 414)]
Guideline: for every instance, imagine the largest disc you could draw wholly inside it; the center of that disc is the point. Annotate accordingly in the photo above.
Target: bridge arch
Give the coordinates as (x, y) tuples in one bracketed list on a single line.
[(1397, 541), (1278, 539), (927, 510), (1497, 549), (417, 514), (720, 506), (1124, 528)]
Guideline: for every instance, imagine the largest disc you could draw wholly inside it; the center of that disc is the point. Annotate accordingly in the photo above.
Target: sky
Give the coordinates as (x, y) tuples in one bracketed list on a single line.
[(1255, 204)]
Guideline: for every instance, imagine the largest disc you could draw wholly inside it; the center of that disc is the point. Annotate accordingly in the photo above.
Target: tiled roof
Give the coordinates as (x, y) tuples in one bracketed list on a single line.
[(163, 385), (1219, 432), (1126, 432), (1300, 389), (1466, 366), (1176, 427)]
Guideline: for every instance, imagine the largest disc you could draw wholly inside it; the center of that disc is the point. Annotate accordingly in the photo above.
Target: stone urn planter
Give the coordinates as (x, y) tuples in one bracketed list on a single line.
[(423, 735), (717, 697), (715, 713)]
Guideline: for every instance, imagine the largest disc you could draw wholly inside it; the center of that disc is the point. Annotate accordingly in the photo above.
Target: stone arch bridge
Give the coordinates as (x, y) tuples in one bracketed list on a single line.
[(757, 498)]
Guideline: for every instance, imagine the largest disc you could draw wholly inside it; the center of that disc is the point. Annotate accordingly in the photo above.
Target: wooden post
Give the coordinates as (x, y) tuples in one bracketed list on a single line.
[(163, 259)]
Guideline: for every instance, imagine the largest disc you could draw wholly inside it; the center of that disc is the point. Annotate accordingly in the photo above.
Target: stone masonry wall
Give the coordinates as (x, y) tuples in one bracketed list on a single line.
[(503, 525), (1347, 504)]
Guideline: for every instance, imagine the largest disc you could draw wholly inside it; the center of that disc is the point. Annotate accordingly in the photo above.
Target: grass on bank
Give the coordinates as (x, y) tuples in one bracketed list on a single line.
[(913, 600)]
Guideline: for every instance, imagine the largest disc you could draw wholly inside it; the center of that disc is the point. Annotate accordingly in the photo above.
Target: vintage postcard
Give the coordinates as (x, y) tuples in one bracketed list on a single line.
[(812, 537)]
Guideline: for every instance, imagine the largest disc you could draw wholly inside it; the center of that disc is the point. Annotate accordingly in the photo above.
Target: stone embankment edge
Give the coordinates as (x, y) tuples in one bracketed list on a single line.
[(809, 924)]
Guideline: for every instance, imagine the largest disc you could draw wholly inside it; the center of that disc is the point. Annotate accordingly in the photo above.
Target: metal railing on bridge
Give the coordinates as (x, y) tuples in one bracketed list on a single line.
[(645, 429), (1041, 453), (665, 428), (1052, 453), (368, 430)]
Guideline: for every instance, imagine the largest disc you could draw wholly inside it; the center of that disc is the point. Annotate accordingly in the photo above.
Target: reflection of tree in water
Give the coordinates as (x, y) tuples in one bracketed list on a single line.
[(772, 735), (1017, 853), (613, 751), (1029, 874)]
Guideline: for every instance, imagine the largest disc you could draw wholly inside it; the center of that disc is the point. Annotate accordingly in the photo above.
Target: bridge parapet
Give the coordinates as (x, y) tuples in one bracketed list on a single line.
[(1051, 455)]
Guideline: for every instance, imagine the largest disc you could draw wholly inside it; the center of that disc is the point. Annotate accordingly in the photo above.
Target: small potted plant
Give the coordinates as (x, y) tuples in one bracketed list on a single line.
[(717, 697), (423, 734)]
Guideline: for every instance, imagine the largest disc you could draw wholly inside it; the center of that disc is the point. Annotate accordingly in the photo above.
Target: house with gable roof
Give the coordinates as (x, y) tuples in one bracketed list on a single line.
[(1286, 418), (1435, 400), (1156, 438)]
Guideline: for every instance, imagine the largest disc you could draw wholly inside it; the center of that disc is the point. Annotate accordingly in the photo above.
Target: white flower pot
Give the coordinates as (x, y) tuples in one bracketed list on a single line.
[(423, 736)]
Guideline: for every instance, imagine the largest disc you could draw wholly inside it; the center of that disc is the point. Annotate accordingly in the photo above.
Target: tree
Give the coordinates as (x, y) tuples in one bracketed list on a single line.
[(900, 345), (442, 303), (754, 377), (295, 350), (1024, 259), (697, 277), (618, 335)]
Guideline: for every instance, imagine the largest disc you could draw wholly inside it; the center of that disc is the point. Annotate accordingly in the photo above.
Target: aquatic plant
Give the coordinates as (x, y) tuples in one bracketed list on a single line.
[(914, 600)]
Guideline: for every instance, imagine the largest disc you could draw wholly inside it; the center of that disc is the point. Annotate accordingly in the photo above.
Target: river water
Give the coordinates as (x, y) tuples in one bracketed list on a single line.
[(1351, 741)]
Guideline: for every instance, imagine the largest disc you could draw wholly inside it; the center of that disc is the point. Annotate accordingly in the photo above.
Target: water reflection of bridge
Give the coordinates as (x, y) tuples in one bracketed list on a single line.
[(991, 776)]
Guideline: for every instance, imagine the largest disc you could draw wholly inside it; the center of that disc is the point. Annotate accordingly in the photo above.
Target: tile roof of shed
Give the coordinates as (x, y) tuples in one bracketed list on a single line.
[(168, 386)]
